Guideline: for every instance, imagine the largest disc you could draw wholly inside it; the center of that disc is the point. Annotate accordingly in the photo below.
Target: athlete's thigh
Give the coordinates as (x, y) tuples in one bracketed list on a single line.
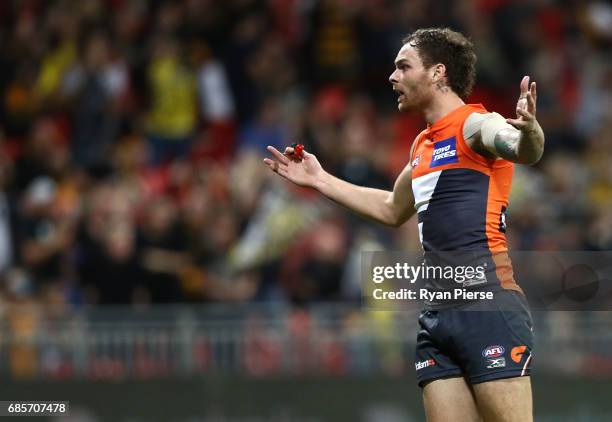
[(505, 400), (449, 399)]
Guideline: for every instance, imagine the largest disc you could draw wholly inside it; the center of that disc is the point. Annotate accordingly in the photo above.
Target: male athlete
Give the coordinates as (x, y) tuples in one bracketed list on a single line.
[(472, 366)]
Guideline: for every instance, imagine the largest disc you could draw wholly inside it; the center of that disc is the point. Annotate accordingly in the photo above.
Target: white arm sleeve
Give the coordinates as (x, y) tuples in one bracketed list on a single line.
[(488, 124)]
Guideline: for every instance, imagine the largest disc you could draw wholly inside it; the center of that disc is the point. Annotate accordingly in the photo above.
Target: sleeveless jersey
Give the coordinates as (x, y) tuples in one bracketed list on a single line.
[(461, 199)]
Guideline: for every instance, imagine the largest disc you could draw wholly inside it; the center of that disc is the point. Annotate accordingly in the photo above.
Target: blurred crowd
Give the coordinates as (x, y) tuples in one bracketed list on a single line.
[(132, 134)]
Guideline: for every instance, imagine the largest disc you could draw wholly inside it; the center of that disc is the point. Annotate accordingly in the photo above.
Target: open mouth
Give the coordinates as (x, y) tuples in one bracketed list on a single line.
[(400, 94)]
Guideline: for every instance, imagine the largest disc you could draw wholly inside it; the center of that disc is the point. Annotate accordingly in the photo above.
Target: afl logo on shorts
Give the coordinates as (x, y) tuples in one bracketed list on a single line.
[(493, 351)]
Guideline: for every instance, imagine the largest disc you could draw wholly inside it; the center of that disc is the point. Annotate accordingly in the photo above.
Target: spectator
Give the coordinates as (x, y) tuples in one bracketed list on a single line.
[(172, 116), (96, 85)]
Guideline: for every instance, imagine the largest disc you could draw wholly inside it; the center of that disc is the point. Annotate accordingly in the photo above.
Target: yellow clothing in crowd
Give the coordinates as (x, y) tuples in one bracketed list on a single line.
[(173, 111)]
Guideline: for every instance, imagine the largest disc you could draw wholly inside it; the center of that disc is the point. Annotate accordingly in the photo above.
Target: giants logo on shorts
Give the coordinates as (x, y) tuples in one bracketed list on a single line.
[(424, 364), (445, 152), (517, 353), (493, 351)]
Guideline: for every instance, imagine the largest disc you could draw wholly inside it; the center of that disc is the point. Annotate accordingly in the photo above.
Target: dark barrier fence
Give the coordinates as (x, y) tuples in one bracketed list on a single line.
[(276, 399), (118, 344)]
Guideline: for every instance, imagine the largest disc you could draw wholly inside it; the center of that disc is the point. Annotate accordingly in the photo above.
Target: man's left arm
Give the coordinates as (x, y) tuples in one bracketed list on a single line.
[(519, 140)]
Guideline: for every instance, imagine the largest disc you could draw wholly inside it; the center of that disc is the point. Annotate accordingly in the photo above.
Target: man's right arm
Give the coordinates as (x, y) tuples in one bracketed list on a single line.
[(389, 208)]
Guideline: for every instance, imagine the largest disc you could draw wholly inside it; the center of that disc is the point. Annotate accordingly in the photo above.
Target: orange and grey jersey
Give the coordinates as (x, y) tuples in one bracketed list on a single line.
[(461, 196)]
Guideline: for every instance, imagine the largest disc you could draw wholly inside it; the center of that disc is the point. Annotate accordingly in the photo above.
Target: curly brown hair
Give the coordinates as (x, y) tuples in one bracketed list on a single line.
[(453, 49)]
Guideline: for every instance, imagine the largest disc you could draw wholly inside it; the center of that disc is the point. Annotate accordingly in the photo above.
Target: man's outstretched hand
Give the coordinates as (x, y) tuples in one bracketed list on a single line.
[(303, 172), (525, 107), (530, 145)]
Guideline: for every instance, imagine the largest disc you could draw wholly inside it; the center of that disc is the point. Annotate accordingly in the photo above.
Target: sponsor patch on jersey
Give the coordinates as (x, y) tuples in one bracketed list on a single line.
[(445, 152), (416, 161), (496, 363), (502, 220), (493, 351), (424, 364), (480, 277)]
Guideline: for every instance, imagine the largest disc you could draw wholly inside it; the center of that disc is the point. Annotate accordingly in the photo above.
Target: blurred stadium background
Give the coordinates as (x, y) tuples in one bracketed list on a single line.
[(153, 269)]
